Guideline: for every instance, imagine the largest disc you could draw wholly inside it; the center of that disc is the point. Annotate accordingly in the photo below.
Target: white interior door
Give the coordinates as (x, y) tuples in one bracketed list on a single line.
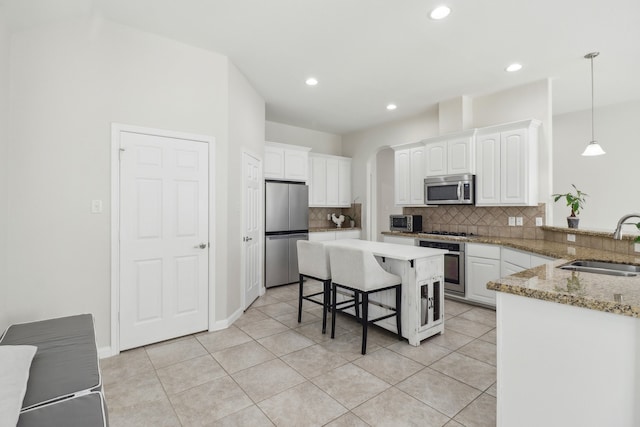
[(163, 238), (252, 230)]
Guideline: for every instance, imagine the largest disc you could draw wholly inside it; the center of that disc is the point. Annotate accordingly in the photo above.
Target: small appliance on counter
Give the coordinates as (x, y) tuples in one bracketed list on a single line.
[(405, 223), (286, 222), (450, 190)]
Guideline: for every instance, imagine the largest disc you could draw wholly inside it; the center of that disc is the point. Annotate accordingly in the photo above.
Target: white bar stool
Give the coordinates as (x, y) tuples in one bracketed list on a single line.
[(313, 262), (359, 272)]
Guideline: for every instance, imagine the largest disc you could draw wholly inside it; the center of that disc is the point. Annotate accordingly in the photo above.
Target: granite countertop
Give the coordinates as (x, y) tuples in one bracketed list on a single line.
[(321, 229), (611, 294)]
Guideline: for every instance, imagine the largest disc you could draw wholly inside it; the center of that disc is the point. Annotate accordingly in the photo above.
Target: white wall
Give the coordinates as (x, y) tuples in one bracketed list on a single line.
[(363, 146), (4, 163), (320, 142), (246, 132), (610, 180), (385, 168), (531, 101), (69, 81)]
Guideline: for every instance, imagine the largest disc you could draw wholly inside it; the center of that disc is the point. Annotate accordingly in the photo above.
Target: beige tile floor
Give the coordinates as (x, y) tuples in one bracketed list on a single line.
[(266, 369)]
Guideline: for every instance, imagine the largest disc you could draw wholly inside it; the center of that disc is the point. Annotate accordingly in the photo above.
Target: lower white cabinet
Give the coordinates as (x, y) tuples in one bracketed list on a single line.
[(399, 240), (514, 261), (483, 265), (486, 263), (321, 236)]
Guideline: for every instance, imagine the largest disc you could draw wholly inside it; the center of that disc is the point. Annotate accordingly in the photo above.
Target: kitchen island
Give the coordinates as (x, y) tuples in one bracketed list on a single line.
[(422, 273), (568, 348)]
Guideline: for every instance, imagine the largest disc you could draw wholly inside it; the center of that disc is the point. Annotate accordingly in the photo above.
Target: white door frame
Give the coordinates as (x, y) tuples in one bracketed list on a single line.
[(261, 231), (116, 130)]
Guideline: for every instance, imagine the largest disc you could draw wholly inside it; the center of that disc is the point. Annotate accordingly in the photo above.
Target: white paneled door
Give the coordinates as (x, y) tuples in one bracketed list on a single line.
[(163, 238), (251, 229)]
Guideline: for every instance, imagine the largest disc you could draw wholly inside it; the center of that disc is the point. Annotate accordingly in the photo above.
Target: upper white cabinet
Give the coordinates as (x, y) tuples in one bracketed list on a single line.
[(329, 181), (287, 162), (409, 174), (506, 164), (451, 154)]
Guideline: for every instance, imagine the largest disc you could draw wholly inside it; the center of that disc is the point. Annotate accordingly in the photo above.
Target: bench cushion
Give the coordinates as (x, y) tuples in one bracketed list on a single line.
[(66, 362), (80, 411)]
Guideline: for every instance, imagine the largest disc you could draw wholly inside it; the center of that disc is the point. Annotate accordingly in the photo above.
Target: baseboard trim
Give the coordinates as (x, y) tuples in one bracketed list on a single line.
[(104, 352), (225, 323)]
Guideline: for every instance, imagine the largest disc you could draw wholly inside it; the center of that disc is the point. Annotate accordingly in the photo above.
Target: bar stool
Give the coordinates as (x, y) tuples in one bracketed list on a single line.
[(359, 272), (313, 262)]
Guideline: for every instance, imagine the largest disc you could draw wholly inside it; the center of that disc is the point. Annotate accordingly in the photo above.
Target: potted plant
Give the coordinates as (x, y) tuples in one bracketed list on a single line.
[(352, 220), (574, 200)]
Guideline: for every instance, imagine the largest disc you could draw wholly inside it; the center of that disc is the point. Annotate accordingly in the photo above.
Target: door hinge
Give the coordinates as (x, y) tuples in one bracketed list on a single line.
[(120, 153)]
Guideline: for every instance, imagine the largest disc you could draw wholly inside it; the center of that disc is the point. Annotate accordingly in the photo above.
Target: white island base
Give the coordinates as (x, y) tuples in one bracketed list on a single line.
[(422, 273), (560, 365)]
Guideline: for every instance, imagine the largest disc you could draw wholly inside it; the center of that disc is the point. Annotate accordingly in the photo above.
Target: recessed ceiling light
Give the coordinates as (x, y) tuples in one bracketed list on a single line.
[(312, 81), (513, 67), (440, 12), (392, 107)]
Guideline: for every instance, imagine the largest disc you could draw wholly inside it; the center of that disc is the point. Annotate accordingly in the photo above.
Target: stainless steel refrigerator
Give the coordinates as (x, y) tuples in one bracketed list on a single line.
[(286, 222)]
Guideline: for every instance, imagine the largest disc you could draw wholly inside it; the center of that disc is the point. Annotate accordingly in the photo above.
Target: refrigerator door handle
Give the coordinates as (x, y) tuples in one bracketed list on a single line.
[(286, 236)]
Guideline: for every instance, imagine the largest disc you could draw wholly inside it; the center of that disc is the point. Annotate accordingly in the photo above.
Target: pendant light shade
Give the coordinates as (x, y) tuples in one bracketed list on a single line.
[(593, 148)]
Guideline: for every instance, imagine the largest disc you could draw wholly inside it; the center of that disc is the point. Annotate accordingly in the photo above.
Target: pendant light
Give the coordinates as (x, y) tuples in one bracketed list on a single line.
[(593, 148)]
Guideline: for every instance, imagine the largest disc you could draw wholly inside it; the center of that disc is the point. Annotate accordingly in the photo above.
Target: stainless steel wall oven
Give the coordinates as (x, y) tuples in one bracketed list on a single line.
[(454, 274)]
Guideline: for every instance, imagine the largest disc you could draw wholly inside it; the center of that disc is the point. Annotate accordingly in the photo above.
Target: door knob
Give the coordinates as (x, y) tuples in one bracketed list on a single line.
[(201, 246), (247, 239)]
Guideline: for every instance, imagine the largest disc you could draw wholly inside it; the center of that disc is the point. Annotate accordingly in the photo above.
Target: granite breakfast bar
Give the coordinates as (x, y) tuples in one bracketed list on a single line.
[(568, 347)]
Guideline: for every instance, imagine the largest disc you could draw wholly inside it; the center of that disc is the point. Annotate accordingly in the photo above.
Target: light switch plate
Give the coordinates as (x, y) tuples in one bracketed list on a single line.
[(519, 222), (636, 247), (96, 206), (512, 221), (571, 237), (538, 221)]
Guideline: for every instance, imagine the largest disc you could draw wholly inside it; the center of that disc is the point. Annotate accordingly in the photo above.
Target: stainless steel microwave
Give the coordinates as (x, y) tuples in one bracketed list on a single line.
[(406, 223), (450, 190)]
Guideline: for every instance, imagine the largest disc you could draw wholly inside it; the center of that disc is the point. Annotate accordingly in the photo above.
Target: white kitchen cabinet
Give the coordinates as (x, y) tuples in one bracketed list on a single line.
[(437, 155), (286, 162), (322, 236), (506, 164), (399, 240), (482, 266), (330, 181), (451, 154), (514, 261), (409, 174)]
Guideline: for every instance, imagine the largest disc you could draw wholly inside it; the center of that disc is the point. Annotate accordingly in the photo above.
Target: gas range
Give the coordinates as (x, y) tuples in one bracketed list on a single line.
[(448, 233)]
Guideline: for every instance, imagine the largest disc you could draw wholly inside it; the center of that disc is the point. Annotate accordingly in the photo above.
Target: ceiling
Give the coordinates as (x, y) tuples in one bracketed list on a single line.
[(368, 53)]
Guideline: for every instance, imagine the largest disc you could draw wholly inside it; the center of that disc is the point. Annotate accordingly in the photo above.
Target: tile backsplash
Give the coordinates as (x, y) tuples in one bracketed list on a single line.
[(482, 221), (318, 216)]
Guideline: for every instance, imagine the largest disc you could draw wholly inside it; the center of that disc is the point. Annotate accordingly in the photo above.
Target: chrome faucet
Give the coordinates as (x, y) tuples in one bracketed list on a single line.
[(618, 233)]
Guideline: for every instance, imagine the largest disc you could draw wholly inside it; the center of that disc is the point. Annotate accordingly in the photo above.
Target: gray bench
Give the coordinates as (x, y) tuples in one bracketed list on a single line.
[(65, 385)]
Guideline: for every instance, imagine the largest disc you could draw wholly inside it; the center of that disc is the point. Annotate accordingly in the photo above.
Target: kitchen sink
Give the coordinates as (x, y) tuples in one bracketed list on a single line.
[(603, 267)]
